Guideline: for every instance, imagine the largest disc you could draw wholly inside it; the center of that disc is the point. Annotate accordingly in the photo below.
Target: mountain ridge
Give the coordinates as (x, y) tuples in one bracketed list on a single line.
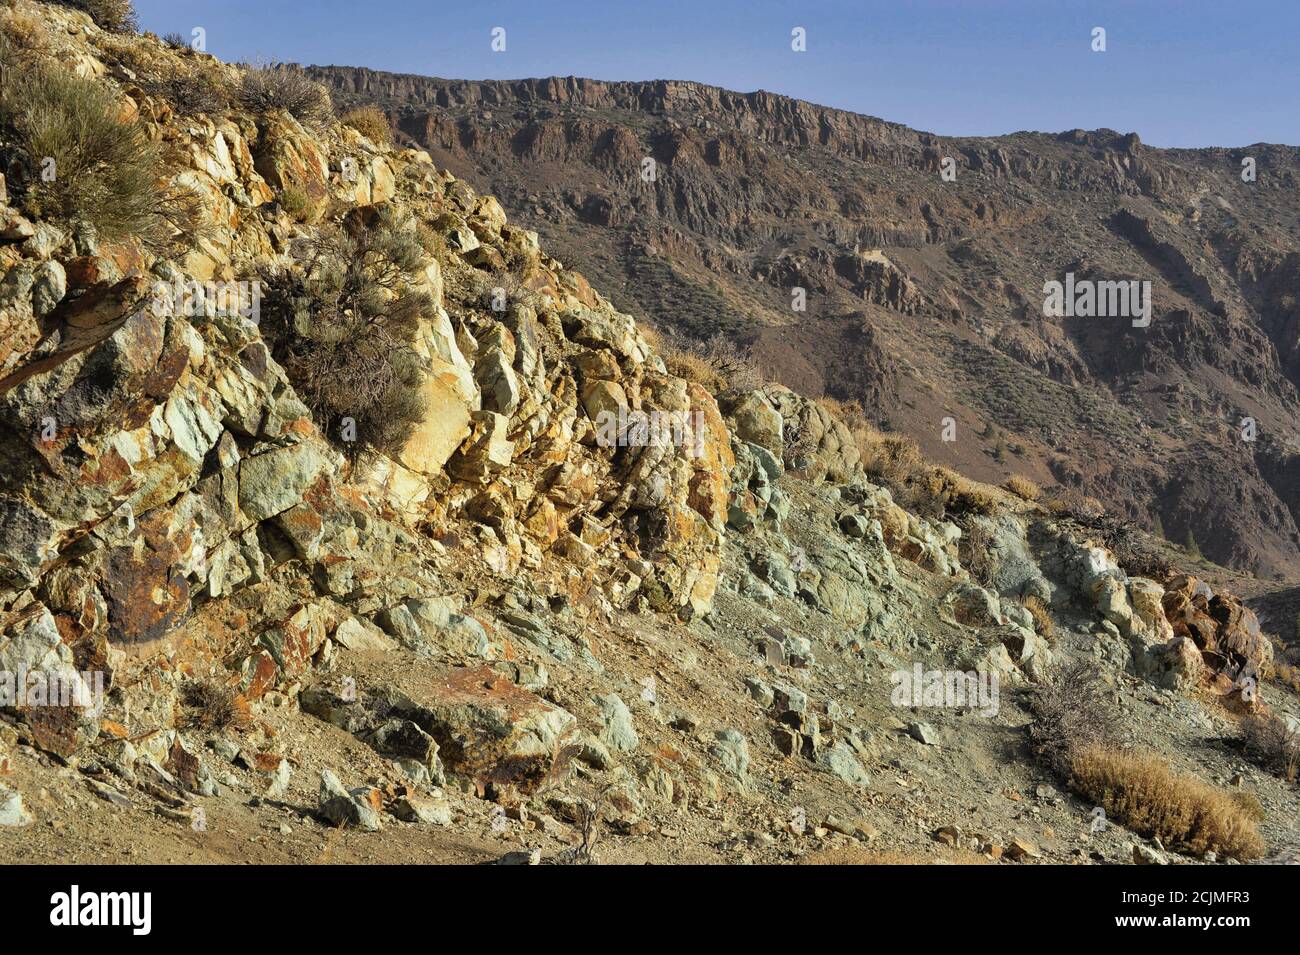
[(760, 193)]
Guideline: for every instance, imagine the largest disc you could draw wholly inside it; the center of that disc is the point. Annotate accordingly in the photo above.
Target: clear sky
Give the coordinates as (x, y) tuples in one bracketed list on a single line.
[(1178, 72)]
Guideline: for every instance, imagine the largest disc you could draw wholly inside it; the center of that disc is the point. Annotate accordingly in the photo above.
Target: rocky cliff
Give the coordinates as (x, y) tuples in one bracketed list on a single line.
[(925, 257), (573, 597)]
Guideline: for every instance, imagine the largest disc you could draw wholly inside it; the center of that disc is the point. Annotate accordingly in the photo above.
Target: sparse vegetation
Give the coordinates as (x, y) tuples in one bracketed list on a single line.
[(1071, 714), (715, 364), (190, 91), (949, 492), (1023, 488), (25, 31), (267, 87), (210, 705), (116, 15), (297, 204), (1273, 743), (1043, 622), (1073, 504), (371, 122), (1144, 793), (343, 326), (83, 160)]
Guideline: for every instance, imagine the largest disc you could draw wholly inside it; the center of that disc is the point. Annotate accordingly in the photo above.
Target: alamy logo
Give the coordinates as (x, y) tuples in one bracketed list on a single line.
[(658, 429), (134, 909), (1084, 298), (952, 689), (42, 688), (191, 298)]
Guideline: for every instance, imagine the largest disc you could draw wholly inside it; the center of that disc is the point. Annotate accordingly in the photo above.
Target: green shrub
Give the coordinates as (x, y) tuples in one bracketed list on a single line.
[(105, 171), (297, 204), (343, 325)]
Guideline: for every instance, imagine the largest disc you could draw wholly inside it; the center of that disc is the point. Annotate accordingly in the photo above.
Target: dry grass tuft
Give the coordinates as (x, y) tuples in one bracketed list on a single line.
[(25, 31), (1043, 623), (1141, 791), (950, 493), (80, 159), (211, 706), (115, 15), (1023, 488), (371, 122)]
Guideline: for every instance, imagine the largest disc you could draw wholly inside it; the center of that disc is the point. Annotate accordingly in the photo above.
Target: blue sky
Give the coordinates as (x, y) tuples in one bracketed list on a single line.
[(1178, 72)]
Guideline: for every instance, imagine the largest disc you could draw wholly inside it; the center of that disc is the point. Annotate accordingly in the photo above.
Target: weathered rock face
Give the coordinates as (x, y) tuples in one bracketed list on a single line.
[(157, 460), (1225, 631)]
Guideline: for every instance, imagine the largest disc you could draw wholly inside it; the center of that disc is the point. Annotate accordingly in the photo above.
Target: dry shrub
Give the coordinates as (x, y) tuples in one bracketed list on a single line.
[(1072, 503), (268, 87), (653, 337), (1144, 793), (888, 459), (343, 326), (1272, 743), (190, 90), (715, 365), (975, 551), (1023, 488), (116, 15), (371, 122), (950, 493), (25, 31), (1043, 623), (106, 170), (1285, 674), (210, 705), (1071, 714)]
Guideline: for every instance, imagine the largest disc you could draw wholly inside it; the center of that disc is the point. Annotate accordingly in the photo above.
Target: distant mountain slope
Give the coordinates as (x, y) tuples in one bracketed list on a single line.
[(925, 296)]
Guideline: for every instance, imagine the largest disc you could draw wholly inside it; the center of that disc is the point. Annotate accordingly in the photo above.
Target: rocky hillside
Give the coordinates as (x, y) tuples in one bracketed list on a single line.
[(924, 260), (339, 521)]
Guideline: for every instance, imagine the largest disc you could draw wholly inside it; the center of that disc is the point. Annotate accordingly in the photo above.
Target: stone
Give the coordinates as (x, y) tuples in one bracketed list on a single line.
[(49, 286), (435, 623), (756, 420), (487, 450), (853, 525), (1145, 855), (494, 732), (274, 481), (13, 813), (730, 750), (498, 382), (604, 398), (449, 395), (361, 636), (1018, 849), (841, 760), (617, 731), (347, 808), (923, 733), (432, 810)]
